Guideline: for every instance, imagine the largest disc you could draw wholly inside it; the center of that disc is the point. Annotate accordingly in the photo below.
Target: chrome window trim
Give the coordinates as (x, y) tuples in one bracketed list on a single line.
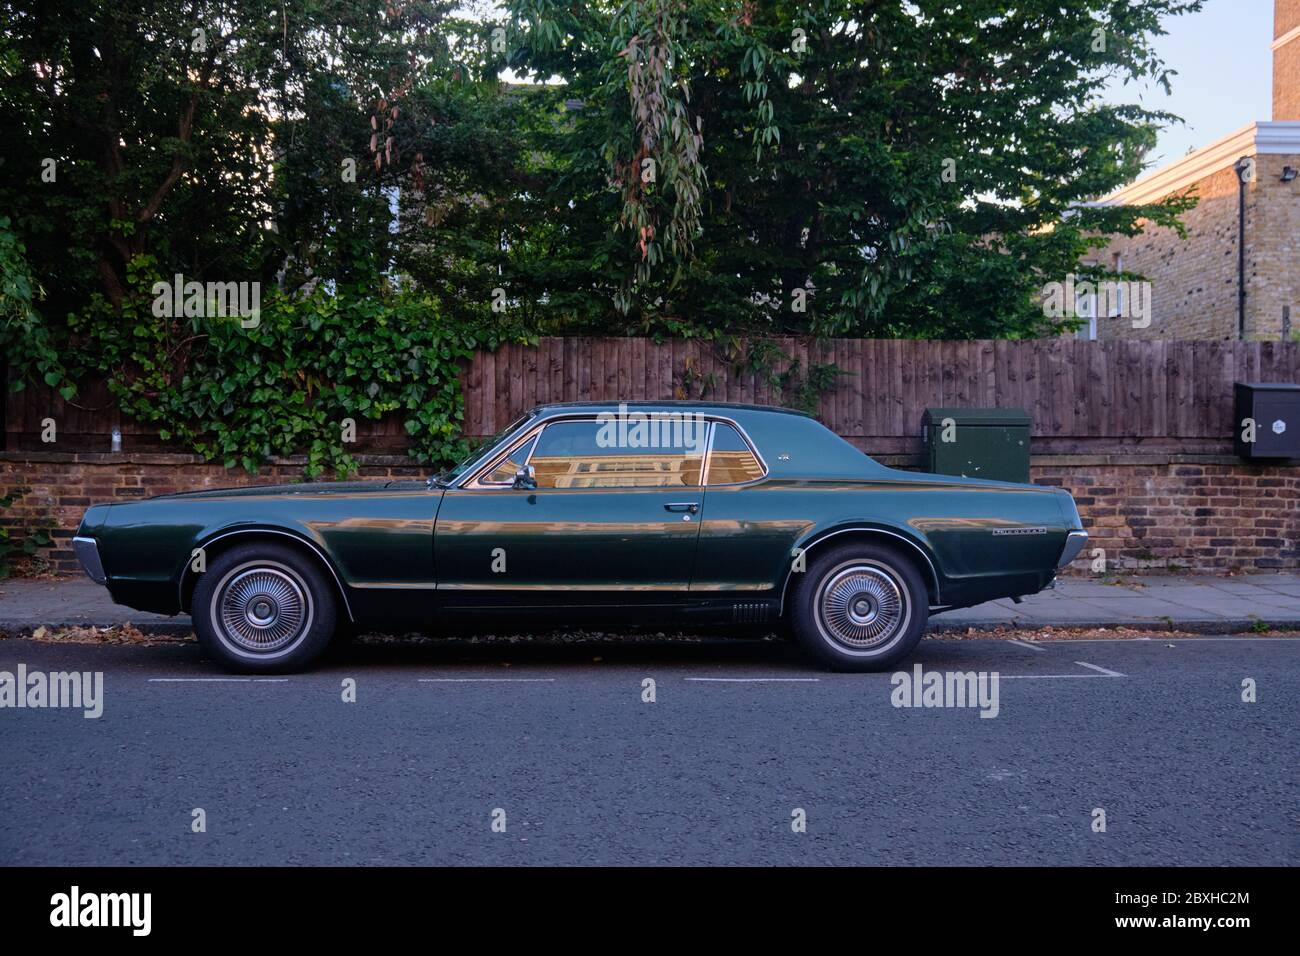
[(744, 436), (527, 422), (510, 444), (475, 483), (479, 484), (708, 453)]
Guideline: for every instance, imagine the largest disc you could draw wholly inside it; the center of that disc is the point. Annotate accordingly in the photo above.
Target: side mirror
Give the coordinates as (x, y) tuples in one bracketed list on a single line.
[(526, 478)]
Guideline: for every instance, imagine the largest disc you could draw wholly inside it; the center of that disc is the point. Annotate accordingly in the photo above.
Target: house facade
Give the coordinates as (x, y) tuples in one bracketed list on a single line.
[(1249, 198)]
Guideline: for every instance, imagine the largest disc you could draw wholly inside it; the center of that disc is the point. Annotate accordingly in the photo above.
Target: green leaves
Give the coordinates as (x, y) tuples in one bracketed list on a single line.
[(243, 396), (880, 166)]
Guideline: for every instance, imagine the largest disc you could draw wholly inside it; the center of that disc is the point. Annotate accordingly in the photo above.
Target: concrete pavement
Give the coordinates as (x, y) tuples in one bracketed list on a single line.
[(1199, 603)]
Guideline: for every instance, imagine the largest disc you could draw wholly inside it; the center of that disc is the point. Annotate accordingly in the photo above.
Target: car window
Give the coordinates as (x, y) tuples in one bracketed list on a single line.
[(730, 460), (504, 473), (590, 454)]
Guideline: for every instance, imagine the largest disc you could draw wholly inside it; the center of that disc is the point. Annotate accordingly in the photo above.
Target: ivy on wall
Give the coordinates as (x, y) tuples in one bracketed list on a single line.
[(297, 378)]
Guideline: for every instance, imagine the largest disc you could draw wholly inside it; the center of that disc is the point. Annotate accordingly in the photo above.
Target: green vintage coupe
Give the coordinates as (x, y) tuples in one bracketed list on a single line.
[(642, 513)]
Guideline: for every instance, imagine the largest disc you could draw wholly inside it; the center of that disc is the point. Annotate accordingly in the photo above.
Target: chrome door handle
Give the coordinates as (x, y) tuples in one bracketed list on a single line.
[(688, 506)]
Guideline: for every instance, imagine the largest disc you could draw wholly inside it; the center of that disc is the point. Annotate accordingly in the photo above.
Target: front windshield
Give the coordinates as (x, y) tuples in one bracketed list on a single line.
[(483, 451)]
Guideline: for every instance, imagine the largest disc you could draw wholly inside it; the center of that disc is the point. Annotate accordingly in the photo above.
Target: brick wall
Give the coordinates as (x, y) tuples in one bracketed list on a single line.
[(1195, 513), (1286, 62), (1152, 511), (1194, 280), (57, 488), (1273, 247)]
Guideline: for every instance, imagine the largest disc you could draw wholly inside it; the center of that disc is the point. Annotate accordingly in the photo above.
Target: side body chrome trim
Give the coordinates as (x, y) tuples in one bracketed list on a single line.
[(87, 552), (934, 575), (180, 594)]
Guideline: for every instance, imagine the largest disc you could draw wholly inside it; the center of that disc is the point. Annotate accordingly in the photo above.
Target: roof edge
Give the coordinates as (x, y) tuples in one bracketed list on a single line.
[(668, 403), (1263, 138)]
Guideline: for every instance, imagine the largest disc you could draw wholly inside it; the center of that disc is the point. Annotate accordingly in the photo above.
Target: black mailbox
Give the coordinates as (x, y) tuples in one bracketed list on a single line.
[(1275, 411)]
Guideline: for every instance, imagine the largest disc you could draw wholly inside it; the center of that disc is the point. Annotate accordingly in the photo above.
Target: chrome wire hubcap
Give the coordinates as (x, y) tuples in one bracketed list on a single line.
[(861, 607), (263, 609)]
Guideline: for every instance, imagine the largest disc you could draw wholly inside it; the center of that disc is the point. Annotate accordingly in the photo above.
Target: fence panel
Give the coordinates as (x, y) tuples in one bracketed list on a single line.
[(1079, 394)]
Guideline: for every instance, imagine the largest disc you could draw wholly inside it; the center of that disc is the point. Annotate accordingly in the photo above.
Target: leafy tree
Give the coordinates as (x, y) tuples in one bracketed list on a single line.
[(209, 134), (709, 168), (912, 169)]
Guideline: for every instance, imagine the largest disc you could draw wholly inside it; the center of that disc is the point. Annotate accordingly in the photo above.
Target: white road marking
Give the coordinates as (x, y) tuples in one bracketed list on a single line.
[(756, 680), (218, 680), (486, 680), (1100, 670), (1032, 647), (1055, 676)]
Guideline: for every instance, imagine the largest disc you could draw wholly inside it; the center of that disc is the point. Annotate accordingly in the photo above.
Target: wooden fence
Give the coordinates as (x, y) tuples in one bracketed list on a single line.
[(1082, 396)]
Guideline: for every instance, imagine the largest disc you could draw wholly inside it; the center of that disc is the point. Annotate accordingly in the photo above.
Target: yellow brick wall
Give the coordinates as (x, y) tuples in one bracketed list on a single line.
[(1286, 62), (1273, 249), (1194, 280)]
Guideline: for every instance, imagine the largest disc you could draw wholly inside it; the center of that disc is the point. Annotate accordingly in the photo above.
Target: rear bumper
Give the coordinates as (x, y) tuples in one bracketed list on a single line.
[(1074, 543), (87, 552)]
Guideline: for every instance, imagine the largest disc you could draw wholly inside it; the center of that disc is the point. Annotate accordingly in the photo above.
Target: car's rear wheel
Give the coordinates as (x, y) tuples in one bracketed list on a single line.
[(860, 607), (264, 608)]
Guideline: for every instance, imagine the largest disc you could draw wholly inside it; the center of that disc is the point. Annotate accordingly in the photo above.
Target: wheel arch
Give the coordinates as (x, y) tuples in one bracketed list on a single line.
[(222, 541), (911, 548)]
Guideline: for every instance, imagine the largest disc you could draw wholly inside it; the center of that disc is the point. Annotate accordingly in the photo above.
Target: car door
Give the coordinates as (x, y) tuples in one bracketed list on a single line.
[(747, 534), (610, 521)]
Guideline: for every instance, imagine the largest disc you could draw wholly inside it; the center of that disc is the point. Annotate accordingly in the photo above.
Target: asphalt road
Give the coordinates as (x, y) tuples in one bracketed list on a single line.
[(711, 772)]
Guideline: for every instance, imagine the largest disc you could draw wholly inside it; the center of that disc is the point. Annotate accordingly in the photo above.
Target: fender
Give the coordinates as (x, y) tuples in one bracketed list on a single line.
[(260, 530), (817, 537)]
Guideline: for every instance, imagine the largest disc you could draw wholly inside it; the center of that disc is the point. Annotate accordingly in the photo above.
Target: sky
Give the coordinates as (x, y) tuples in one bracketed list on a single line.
[(1225, 75)]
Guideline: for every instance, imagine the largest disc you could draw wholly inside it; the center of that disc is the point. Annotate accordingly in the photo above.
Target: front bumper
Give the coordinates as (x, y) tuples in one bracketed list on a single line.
[(87, 552), (1074, 543)]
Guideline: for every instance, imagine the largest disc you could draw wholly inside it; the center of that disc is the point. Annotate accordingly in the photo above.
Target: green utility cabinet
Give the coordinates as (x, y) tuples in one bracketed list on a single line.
[(977, 442)]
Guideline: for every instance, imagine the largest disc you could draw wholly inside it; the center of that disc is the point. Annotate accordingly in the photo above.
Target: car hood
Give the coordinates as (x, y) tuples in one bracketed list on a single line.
[(299, 488)]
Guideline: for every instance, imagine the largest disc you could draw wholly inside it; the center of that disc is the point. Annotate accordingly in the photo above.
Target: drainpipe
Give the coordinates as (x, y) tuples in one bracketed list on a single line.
[(1245, 169)]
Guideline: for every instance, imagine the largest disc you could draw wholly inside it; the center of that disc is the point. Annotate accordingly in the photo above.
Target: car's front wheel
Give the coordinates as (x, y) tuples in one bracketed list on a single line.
[(263, 608), (860, 607)]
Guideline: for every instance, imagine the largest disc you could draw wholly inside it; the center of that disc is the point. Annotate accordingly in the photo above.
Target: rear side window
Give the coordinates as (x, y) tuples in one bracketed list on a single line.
[(730, 461), (589, 454)]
